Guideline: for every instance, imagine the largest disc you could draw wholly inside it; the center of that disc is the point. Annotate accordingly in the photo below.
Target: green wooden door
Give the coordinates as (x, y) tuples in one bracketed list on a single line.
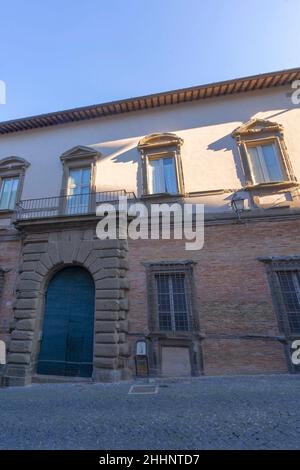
[(68, 330)]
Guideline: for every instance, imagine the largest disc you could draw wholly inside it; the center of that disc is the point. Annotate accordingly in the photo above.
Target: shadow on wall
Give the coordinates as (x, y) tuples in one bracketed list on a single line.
[(228, 144), (125, 151)]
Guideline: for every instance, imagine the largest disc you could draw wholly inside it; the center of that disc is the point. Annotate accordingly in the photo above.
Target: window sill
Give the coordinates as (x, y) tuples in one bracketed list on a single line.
[(168, 334), (272, 185), (162, 196), (6, 213)]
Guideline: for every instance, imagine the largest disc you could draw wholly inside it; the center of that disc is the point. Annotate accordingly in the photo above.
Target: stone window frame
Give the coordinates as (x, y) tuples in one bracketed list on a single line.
[(76, 158), (258, 132), (13, 167), (161, 145), (169, 267), (274, 265)]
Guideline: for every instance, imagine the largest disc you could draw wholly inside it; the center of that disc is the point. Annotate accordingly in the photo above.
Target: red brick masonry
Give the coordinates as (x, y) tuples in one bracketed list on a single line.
[(233, 299)]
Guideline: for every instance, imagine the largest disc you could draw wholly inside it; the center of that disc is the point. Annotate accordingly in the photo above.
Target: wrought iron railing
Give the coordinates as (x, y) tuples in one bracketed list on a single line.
[(68, 205)]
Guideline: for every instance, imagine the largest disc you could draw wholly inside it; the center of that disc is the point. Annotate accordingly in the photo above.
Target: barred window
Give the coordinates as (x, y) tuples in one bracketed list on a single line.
[(289, 282), (171, 300), (171, 297)]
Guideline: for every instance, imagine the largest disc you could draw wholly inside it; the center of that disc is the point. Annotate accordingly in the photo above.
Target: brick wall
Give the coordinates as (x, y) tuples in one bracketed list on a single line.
[(233, 298)]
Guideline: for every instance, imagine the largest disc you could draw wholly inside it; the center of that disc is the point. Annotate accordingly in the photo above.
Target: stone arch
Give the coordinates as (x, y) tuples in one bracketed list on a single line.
[(42, 254)]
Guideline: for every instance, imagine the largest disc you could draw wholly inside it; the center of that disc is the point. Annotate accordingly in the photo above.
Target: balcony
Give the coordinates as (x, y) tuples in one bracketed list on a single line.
[(71, 205)]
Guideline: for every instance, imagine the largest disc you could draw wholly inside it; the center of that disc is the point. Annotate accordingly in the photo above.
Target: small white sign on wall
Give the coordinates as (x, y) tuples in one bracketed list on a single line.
[(2, 352), (141, 348)]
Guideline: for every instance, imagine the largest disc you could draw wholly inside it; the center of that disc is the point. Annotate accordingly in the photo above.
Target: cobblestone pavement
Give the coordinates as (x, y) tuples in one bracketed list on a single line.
[(249, 412)]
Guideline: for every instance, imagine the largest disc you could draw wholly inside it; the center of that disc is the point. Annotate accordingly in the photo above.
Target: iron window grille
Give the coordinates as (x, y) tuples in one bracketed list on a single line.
[(171, 297), (290, 290), (284, 278)]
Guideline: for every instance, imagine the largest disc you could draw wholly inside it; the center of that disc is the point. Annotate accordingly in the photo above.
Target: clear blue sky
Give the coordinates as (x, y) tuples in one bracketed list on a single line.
[(57, 54)]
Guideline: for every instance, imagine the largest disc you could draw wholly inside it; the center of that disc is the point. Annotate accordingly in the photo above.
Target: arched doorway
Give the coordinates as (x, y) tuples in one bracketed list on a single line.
[(68, 329)]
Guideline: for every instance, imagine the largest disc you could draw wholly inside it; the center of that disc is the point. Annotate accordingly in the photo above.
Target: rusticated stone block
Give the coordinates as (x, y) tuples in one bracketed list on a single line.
[(106, 338), (19, 358), (30, 276), (53, 253), (122, 338), (27, 325), (106, 274), (106, 350), (107, 244), (20, 346), (106, 362), (88, 234), (31, 257), (22, 314), (124, 284), (113, 262), (123, 325), (123, 303), (124, 264), (108, 253), (122, 314), (105, 326), (108, 304), (106, 315), (124, 349), (28, 294), (41, 269), (45, 259), (110, 283), (84, 250), (28, 266), (108, 294), (19, 334), (35, 248), (28, 285), (27, 304), (92, 257)]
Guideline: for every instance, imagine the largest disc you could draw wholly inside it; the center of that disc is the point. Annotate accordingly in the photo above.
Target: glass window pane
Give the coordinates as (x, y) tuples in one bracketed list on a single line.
[(155, 185), (8, 193), (5, 193), (170, 175), (272, 162), (86, 175), (13, 194), (78, 191), (257, 169), (74, 178)]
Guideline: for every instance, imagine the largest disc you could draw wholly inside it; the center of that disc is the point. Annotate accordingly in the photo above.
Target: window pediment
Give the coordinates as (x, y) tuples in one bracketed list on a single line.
[(257, 126), (161, 160), (80, 152), (165, 139), (263, 154), (13, 163)]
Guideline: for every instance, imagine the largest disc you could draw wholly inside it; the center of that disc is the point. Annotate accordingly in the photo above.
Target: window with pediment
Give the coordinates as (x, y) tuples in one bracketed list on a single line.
[(161, 163), (263, 153)]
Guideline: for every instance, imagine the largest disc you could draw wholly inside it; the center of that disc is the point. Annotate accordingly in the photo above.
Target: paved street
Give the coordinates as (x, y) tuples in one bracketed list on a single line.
[(259, 412)]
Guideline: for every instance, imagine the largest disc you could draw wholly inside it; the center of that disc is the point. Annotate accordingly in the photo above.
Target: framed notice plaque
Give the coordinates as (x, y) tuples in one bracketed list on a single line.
[(141, 366)]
